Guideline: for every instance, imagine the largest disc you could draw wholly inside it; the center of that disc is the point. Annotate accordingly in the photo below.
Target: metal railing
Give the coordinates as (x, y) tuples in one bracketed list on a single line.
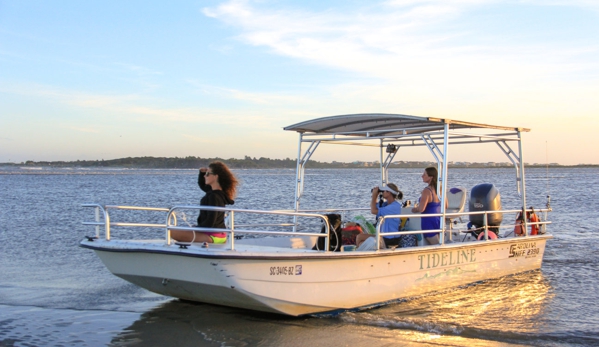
[(171, 221), (541, 224), (232, 229), (107, 223)]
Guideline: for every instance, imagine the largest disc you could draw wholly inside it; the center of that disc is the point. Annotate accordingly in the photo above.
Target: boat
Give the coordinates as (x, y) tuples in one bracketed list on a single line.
[(275, 266)]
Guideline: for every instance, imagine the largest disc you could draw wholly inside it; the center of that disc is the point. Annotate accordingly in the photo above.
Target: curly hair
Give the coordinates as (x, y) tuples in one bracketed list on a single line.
[(226, 178)]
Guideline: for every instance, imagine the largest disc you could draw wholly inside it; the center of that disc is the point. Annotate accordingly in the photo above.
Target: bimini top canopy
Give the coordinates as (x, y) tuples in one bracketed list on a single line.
[(390, 132), (387, 125)]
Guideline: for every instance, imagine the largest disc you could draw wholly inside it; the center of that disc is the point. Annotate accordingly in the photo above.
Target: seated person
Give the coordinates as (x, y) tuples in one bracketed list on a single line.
[(390, 207), (350, 232), (220, 186)]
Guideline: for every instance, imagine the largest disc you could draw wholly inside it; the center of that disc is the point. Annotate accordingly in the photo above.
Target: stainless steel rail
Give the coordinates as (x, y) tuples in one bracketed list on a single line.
[(107, 224), (171, 221), (231, 230), (525, 225)]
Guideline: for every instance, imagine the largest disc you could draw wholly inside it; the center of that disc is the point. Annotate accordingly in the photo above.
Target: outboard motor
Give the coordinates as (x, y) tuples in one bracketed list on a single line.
[(485, 197)]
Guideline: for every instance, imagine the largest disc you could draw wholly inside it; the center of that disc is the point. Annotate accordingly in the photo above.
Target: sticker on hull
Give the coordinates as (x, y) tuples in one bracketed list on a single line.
[(524, 250), (286, 270)]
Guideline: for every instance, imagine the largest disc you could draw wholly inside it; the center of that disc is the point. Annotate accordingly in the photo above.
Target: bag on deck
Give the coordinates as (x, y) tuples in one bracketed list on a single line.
[(334, 236), (409, 240), (349, 233), (368, 245)]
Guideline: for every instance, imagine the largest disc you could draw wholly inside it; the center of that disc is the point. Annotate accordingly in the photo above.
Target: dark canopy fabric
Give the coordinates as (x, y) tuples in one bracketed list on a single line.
[(385, 124)]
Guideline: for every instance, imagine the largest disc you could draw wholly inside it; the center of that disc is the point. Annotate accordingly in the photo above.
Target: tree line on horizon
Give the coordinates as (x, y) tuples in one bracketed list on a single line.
[(187, 163), (245, 163)]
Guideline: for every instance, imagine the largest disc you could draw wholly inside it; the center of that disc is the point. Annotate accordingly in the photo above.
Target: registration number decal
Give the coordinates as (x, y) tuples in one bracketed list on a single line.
[(527, 250), (286, 270)]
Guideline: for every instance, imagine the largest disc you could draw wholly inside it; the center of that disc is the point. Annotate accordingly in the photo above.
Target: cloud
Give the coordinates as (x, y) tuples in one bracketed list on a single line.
[(584, 4), (326, 36), (141, 109), (423, 57), (258, 98), (401, 40), (83, 130), (139, 70)]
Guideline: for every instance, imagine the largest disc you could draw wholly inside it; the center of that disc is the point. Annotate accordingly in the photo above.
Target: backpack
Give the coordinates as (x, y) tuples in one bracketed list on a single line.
[(334, 236)]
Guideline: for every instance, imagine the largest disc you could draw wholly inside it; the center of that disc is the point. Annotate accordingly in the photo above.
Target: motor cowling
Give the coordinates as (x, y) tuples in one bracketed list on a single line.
[(485, 197)]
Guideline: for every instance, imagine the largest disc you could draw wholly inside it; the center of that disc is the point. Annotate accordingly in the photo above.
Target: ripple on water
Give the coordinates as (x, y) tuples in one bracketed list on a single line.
[(43, 266)]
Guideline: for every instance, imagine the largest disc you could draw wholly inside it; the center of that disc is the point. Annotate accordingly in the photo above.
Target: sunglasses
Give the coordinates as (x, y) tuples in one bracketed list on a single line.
[(208, 173)]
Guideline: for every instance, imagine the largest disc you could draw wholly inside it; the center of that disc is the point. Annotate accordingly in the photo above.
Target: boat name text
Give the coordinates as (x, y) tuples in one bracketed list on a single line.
[(430, 261)]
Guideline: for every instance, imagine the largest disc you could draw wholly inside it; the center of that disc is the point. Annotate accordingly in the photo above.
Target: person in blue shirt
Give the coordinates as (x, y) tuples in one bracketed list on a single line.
[(391, 206)]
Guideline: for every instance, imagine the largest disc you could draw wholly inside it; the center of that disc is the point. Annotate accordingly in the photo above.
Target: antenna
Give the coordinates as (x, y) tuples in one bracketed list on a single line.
[(547, 176)]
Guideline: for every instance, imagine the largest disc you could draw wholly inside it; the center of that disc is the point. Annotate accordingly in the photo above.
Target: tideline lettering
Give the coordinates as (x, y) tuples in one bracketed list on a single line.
[(431, 261)]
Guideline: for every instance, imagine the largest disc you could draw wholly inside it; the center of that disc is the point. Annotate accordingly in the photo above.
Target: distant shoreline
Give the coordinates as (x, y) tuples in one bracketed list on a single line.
[(254, 163)]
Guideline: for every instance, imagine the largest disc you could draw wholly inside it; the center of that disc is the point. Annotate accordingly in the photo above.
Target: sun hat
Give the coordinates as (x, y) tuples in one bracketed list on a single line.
[(388, 189), (392, 188)]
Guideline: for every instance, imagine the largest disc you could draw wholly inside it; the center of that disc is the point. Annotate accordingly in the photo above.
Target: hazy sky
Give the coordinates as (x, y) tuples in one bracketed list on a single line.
[(112, 79)]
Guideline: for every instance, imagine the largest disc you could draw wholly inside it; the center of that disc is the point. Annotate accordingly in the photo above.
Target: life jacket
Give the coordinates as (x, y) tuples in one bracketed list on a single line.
[(403, 222), (519, 228), (531, 218), (349, 233)]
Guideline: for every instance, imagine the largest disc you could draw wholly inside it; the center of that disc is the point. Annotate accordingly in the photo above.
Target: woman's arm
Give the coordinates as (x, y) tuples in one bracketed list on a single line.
[(424, 199), (373, 208), (202, 181)]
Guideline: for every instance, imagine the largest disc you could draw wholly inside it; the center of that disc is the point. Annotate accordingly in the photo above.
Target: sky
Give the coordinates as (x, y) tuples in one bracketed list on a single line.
[(92, 80)]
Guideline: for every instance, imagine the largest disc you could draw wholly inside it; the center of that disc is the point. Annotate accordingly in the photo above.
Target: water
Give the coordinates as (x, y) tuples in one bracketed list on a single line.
[(54, 293)]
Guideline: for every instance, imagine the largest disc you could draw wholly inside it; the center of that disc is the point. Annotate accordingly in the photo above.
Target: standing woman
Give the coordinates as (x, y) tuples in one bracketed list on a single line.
[(220, 186), (428, 204)]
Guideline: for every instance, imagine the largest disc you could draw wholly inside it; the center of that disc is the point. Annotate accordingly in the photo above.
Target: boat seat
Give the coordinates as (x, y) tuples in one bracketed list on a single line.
[(300, 242), (456, 201)]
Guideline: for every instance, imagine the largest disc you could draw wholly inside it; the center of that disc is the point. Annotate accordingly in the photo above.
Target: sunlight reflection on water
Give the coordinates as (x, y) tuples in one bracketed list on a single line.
[(43, 267)]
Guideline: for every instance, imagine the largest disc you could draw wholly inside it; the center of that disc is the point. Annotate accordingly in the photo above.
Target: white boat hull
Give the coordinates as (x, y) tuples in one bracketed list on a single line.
[(304, 281), (282, 274)]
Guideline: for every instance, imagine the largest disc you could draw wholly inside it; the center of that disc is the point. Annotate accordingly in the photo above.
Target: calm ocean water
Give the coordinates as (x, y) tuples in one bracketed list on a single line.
[(54, 293)]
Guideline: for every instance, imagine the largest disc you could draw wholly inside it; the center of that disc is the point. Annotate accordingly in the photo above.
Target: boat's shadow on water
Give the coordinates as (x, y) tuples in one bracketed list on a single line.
[(504, 310), (184, 323)]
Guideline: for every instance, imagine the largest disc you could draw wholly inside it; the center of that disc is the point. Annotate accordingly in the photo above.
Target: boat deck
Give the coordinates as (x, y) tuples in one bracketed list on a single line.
[(279, 247)]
